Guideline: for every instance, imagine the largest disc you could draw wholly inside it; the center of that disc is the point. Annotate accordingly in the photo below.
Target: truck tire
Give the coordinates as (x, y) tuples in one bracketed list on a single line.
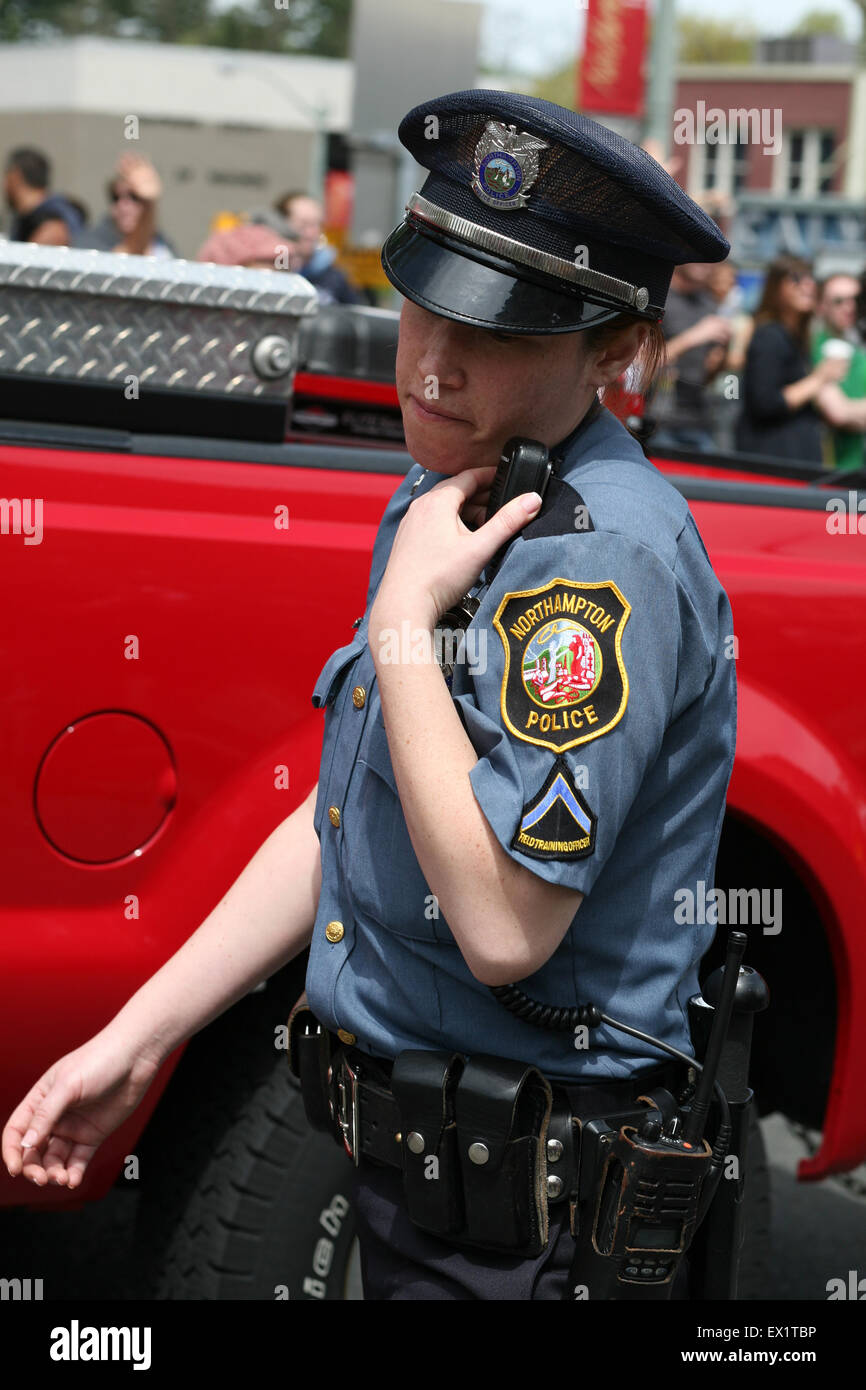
[(239, 1197)]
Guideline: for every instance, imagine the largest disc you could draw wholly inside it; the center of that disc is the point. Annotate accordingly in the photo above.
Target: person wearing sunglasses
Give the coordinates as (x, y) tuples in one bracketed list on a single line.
[(783, 405), (843, 403), (130, 224)]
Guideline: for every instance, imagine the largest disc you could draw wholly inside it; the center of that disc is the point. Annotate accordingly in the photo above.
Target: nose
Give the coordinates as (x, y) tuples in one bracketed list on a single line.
[(443, 353)]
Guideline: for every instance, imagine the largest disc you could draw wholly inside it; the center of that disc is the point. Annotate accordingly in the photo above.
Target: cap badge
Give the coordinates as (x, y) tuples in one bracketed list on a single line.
[(506, 165)]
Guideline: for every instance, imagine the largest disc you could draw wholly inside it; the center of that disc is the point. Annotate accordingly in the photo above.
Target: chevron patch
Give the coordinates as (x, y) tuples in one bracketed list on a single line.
[(558, 823)]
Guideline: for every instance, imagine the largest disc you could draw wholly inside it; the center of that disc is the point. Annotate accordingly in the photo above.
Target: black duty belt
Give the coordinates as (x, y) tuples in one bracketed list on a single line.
[(501, 1141), (369, 1115)]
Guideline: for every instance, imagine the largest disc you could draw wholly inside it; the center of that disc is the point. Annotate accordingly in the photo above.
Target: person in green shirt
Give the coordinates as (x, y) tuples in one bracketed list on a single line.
[(844, 404)]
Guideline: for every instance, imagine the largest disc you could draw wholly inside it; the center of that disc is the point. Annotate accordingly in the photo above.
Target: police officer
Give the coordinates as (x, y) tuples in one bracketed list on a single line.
[(525, 810), (534, 822)]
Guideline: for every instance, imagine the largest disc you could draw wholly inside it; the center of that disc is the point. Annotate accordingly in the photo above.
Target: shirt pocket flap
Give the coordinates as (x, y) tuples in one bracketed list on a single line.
[(328, 683), (376, 753)]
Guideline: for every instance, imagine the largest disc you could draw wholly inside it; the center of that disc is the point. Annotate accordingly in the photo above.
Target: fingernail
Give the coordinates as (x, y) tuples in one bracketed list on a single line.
[(29, 1139), (531, 501)]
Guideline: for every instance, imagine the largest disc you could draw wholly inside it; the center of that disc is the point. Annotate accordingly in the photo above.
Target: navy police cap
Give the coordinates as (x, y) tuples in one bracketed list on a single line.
[(535, 219)]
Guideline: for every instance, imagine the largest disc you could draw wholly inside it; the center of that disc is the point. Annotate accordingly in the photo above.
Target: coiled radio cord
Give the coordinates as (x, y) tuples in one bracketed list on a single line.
[(566, 1019)]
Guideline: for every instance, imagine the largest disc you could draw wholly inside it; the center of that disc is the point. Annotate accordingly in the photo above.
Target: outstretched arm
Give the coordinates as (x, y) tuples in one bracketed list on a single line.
[(263, 921)]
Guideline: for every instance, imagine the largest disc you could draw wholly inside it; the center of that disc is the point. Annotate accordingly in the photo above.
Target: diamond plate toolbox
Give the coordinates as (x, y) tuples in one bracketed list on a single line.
[(109, 320)]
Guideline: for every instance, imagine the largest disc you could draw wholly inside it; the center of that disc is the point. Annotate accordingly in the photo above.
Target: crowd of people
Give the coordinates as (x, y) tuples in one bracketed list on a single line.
[(287, 236), (788, 380)]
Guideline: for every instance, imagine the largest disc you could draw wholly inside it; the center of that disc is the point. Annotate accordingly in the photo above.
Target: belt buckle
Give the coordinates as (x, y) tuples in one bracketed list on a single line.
[(347, 1109)]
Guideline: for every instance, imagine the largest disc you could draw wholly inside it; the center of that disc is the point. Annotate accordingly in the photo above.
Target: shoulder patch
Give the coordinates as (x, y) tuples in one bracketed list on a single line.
[(558, 823), (563, 510), (564, 682)]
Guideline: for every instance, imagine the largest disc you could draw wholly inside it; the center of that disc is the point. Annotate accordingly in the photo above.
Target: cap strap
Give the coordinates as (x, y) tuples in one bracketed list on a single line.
[(620, 291)]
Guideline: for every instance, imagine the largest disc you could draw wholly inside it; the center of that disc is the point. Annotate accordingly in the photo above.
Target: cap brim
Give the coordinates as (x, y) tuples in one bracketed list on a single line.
[(474, 287)]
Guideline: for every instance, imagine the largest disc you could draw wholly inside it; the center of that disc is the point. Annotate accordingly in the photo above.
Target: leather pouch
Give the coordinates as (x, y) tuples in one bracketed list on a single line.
[(310, 1051), (423, 1084), (503, 1111)]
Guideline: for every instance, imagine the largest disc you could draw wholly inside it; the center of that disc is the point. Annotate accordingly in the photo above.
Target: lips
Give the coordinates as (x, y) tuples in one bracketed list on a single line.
[(427, 413)]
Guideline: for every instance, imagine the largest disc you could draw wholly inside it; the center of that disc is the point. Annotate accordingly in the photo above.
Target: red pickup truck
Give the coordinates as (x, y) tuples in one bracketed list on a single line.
[(171, 596)]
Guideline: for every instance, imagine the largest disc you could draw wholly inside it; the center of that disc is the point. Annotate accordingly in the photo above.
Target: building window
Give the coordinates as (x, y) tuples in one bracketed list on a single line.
[(711, 168), (827, 157), (740, 170), (241, 178), (795, 161), (808, 163), (718, 168)]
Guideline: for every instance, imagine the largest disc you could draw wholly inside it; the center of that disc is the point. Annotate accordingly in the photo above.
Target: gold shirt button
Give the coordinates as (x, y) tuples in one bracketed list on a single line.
[(334, 815), (334, 931), (359, 695), (347, 1038)]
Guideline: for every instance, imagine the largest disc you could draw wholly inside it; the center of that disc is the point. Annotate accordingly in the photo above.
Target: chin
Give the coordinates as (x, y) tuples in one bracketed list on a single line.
[(425, 454), (435, 455)]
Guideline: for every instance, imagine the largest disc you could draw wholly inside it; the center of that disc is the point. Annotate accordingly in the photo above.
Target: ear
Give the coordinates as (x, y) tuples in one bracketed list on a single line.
[(612, 360)]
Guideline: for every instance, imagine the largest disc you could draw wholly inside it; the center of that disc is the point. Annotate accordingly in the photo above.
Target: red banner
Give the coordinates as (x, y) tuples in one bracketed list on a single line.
[(611, 71), (339, 193)]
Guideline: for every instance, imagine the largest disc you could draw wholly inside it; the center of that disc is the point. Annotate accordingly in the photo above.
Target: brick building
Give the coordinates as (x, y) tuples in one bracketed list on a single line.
[(781, 146)]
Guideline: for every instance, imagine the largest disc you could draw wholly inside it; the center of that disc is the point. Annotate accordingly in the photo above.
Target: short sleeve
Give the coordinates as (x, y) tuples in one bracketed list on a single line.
[(587, 650)]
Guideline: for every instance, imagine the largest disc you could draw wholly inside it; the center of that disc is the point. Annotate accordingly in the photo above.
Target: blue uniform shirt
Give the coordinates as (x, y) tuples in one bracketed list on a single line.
[(598, 693)]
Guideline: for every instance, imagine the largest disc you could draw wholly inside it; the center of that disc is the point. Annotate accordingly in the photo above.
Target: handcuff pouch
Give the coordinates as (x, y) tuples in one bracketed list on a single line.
[(503, 1111), (423, 1084)]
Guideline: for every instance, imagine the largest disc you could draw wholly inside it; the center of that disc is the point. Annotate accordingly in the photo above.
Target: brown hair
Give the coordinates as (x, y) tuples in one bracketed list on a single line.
[(769, 309), (283, 204), (650, 356)]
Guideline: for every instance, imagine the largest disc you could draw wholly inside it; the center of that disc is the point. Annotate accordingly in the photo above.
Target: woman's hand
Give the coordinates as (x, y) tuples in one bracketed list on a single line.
[(77, 1103), (437, 555), (714, 328), (141, 176)]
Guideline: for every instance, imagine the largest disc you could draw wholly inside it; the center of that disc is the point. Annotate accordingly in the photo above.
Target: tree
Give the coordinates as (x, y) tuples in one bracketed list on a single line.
[(821, 22), (715, 40), (861, 5), (40, 19), (302, 26), (170, 21), (559, 86), (276, 26)]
